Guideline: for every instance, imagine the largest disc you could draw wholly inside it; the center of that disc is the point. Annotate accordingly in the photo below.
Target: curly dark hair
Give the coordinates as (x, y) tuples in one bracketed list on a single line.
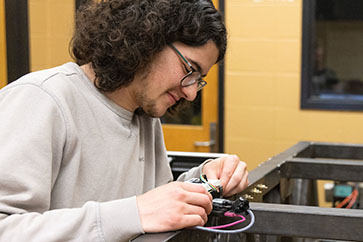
[(121, 37)]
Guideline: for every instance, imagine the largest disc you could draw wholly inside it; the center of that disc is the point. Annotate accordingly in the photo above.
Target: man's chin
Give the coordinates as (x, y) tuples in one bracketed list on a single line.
[(155, 113)]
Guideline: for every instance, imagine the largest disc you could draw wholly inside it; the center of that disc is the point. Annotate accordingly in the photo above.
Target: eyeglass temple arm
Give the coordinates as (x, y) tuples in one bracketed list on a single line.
[(177, 51)]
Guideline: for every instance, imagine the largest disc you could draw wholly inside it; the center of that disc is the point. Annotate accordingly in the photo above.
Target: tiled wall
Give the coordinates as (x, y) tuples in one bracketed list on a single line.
[(50, 30), (262, 79)]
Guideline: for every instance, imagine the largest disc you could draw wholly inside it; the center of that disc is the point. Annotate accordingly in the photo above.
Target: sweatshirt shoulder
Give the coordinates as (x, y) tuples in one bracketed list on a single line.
[(54, 80), (43, 77)]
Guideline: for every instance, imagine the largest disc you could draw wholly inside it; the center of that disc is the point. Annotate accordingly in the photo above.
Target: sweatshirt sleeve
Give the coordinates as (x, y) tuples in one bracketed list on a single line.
[(193, 172), (33, 132), (92, 222)]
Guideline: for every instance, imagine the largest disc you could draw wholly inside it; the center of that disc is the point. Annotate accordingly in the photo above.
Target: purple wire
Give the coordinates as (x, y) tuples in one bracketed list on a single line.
[(229, 214)]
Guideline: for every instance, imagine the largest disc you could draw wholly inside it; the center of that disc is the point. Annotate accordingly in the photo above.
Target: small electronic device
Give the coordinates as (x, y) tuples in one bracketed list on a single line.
[(221, 206), (214, 187), (224, 207)]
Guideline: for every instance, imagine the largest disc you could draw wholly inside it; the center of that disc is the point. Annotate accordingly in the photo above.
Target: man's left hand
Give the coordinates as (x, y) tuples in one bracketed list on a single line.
[(230, 171)]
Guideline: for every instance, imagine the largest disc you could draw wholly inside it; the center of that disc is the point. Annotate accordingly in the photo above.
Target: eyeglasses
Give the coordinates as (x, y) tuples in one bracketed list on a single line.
[(193, 76)]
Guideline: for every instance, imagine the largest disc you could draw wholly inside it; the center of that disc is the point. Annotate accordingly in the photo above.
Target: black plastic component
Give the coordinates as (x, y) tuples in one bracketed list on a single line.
[(218, 193), (215, 193), (220, 206), (239, 206)]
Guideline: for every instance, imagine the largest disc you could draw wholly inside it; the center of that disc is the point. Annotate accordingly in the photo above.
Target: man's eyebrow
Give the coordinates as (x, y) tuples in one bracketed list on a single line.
[(198, 67)]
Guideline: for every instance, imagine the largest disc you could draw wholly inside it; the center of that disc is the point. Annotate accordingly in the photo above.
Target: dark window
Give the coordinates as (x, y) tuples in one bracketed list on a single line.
[(332, 55)]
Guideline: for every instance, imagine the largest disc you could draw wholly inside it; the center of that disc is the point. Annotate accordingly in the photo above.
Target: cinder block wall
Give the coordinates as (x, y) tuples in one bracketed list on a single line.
[(262, 79), (50, 30)]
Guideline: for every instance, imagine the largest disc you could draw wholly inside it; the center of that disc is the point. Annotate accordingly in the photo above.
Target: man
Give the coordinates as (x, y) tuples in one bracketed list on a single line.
[(83, 157)]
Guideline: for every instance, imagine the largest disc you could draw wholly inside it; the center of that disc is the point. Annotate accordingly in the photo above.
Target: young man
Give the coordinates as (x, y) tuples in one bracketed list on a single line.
[(83, 157)]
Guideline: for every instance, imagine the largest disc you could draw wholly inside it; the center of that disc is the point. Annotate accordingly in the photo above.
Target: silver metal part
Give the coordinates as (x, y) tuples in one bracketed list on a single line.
[(213, 137)]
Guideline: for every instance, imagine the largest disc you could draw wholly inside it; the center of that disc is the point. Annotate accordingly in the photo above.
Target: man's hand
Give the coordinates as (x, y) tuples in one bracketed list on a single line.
[(230, 171), (174, 206)]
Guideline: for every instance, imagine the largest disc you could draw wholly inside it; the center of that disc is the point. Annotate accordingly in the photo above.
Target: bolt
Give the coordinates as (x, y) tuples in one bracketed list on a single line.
[(262, 186), (256, 191), (248, 197)]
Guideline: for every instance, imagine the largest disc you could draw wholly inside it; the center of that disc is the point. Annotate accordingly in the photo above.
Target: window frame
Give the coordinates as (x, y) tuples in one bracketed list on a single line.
[(307, 100), (17, 39)]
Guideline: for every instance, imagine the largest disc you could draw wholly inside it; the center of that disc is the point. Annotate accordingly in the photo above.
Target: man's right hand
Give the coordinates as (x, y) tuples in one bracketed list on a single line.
[(174, 206)]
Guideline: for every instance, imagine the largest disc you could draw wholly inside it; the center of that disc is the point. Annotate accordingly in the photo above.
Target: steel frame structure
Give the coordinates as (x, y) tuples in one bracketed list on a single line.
[(283, 195)]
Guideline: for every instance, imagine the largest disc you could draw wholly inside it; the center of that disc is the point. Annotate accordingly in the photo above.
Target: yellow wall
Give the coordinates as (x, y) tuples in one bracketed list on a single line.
[(262, 79), (50, 30), (3, 66), (262, 98)]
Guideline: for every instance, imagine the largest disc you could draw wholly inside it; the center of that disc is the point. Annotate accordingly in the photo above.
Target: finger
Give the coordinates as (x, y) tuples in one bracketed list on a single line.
[(229, 165), (240, 186), (245, 180), (243, 184), (196, 210), (193, 187), (200, 200), (212, 168), (198, 188), (237, 178), (191, 220), (195, 194)]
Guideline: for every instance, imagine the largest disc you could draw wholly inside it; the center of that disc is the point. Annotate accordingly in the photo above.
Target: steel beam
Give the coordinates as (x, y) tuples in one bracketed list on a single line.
[(307, 221), (323, 169)]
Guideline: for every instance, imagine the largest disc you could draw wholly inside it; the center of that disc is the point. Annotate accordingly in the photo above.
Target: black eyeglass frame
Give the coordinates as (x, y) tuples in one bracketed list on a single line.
[(200, 82)]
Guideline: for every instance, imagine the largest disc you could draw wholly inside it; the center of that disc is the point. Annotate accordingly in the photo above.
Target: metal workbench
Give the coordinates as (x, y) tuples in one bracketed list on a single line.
[(283, 196)]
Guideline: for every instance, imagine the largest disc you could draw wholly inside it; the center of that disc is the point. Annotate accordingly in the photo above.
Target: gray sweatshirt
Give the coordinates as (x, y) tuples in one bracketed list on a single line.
[(72, 161)]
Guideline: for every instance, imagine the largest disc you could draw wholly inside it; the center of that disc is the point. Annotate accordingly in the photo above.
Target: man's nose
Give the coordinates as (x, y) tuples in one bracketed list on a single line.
[(190, 92)]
